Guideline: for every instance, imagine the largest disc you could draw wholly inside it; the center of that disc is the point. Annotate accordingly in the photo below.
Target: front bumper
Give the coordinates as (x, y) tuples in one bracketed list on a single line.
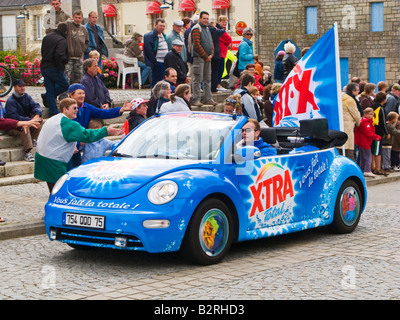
[(123, 229)]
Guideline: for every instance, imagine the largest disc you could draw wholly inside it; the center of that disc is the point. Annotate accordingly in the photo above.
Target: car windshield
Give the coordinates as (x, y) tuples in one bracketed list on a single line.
[(197, 136)]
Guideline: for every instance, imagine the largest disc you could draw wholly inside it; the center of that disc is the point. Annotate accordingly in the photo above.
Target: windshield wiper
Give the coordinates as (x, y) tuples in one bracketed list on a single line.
[(161, 156), (121, 155)]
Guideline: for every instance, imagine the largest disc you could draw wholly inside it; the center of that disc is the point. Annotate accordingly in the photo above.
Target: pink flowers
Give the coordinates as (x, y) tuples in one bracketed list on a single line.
[(110, 66), (22, 67)]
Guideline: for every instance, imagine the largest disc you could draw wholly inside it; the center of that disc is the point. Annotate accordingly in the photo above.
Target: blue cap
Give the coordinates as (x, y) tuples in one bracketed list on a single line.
[(19, 82), (75, 87)]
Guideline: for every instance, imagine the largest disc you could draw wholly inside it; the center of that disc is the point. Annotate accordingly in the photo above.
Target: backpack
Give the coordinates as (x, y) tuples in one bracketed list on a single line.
[(236, 70), (375, 120)]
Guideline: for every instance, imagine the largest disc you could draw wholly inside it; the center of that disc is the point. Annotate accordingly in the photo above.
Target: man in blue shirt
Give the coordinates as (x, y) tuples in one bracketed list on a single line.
[(96, 37), (251, 137)]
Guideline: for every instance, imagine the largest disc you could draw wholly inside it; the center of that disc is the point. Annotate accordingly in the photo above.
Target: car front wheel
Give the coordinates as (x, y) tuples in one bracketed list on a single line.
[(209, 234)]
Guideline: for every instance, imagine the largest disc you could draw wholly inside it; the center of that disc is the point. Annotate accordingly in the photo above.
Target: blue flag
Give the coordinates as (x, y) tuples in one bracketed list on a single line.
[(312, 88)]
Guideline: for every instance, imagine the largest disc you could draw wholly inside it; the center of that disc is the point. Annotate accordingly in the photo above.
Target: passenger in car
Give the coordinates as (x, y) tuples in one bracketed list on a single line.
[(251, 137)]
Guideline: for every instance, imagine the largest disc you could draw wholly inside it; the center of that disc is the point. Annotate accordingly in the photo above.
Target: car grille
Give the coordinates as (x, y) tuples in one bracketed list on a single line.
[(95, 238)]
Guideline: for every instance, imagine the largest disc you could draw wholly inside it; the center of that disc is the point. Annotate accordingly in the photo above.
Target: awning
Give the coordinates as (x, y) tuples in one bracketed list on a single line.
[(187, 5), (110, 10), (221, 4), (153, 8)]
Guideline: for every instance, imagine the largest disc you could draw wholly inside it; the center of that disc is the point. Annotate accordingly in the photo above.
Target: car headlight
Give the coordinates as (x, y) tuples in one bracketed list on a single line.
[(59, 184), (163, 192)]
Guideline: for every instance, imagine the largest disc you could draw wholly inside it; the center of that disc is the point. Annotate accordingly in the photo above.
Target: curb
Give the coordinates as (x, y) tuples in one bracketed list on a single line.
[(34, 228), (379, 179), (23, 229)]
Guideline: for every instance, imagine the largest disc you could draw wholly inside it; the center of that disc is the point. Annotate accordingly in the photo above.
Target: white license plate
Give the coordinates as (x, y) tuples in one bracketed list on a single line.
[(84, 220)]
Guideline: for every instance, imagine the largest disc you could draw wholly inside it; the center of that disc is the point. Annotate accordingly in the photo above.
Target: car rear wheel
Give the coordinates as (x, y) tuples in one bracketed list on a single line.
[(348, 208), (209, 234)]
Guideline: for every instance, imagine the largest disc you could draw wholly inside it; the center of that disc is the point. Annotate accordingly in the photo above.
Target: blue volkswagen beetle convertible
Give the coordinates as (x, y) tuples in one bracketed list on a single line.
[(183, 181)]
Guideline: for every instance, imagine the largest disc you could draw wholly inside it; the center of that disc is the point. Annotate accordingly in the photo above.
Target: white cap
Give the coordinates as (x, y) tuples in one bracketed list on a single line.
[(137, 102), (177, 42), (178, 23)]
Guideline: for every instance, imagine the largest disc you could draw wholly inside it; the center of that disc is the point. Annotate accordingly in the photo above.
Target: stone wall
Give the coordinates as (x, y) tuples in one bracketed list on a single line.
[(283, 20)]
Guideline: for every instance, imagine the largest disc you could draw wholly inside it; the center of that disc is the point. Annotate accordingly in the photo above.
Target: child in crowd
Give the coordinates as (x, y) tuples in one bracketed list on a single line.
[(395, 154), (387, 140), (94, 54), (379, 121), (363, 137), (97, 149)]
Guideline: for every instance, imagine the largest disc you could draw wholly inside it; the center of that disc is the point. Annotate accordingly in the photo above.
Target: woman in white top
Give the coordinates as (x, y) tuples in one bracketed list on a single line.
[(179, 101)]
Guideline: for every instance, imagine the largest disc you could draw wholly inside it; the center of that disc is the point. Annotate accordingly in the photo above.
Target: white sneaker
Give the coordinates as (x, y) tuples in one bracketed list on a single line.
[(397, 168), (369, 174), (29, 157), (222, 89)]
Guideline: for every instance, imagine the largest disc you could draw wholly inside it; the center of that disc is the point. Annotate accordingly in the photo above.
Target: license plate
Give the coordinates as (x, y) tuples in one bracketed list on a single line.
[(83, 220)]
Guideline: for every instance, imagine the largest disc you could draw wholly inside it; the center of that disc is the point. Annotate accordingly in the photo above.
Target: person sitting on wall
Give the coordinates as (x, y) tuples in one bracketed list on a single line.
[(96, 92), (21, 107)]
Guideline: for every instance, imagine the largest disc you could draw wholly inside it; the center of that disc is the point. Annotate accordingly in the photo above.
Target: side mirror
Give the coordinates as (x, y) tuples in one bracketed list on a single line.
[(246, 153)]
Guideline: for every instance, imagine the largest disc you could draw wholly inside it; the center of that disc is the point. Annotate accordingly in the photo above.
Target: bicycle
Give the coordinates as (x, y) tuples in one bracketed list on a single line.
[(6, 81)]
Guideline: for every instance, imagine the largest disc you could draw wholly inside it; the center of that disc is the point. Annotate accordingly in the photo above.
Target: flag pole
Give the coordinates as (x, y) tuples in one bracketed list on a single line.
[(338, 78), (338, 82)]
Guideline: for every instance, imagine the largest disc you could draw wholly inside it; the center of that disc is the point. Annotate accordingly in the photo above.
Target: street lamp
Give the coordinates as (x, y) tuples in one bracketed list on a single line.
[(23, 14), (167, 4)]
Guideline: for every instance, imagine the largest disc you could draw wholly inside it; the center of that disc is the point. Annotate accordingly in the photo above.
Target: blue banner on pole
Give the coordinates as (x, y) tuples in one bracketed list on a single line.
[(312, 89)]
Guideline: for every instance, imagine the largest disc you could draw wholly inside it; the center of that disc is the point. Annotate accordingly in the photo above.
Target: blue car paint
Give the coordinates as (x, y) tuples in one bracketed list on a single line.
[(302, 192)]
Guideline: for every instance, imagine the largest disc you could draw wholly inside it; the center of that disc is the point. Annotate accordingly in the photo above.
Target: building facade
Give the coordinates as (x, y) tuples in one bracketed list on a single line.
[(369, 35), (369, 30), (124, 17)]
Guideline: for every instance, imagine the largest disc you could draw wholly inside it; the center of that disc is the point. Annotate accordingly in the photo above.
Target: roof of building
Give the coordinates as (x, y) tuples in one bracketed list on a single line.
[(20, 3)]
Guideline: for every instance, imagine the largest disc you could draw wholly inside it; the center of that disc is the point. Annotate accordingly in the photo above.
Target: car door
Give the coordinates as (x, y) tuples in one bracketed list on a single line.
[(318, 181), (282, 190)]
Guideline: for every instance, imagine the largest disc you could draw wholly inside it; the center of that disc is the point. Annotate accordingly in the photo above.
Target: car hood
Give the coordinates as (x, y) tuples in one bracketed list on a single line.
[(112, 178)]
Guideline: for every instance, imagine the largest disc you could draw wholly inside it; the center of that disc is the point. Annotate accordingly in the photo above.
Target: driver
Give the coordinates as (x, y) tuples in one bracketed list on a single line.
[(251, 137)]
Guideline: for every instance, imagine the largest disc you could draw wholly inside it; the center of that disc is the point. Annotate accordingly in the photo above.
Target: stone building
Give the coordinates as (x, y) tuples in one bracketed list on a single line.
[(124, 17), (369, 35), (21, 23)]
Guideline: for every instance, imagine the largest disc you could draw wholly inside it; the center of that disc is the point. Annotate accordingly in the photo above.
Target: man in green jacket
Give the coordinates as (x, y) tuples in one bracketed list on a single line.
[(57, 141)]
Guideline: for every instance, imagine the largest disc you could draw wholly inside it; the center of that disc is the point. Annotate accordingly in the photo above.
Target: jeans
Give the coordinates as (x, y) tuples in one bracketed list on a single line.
[(386, 163), (144, 72), (157, 73), (201, 72), (75, 161), (55, 83)]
